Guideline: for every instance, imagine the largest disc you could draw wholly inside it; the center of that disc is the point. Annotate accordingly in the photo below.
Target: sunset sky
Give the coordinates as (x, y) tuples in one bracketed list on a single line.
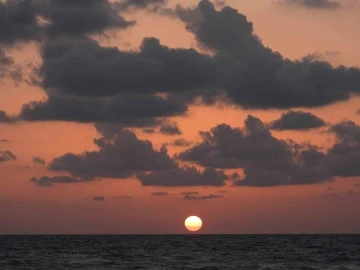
[(128, 116)]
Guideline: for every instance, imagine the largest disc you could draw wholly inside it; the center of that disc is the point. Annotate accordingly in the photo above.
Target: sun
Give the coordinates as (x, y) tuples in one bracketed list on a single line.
[(193, 223)]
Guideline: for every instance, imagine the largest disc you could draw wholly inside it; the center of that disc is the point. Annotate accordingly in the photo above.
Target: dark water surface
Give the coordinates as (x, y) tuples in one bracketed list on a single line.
[(181, 252)]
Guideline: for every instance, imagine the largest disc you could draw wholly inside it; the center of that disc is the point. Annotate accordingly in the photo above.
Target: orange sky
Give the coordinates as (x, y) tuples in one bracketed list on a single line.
[(294, 32)]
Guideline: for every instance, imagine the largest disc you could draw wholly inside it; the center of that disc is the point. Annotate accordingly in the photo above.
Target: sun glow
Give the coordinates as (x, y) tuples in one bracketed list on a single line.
[(193, 223)]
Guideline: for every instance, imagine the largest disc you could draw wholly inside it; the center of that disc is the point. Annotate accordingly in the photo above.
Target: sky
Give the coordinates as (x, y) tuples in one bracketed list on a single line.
[(128, 116)]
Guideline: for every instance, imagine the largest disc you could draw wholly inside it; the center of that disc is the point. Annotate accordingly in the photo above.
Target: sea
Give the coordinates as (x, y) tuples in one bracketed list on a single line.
[(265, 252)]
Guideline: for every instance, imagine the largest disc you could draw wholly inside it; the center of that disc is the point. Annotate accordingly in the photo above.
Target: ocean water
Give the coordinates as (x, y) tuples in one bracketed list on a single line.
[(264, 252)]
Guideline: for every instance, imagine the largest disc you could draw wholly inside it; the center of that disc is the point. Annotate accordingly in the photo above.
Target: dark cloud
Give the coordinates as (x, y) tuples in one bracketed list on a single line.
[(77, 18), (39, 160), (204, 197), (18, 21), (159, 193), (266, 160), (190, 193), (127, 110), (169, 128), (8, 68), (258, 77), (181, 142), (141, 4), (46, 181), (120, 155), (313, 4), (149, 130), (343, 157), (187, 176), (4, 140), (7, 156), (297, 120), (98, 198), (5, 118), (70, 68)]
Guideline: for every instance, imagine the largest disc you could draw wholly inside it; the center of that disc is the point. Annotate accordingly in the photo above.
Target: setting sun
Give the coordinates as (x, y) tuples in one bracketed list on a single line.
[(193, 223)]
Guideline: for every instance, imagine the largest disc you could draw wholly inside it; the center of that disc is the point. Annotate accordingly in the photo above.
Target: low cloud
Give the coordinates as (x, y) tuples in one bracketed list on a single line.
[(181, 142), (5, 118), (181, 177), (204, 197), (98, 198), (46, 181), (313, 4), (266, 160), (7, 156), (169, 128), (190, 193), (297, 120), (39, 160), (121, 154), (160, 194), (343, 157)]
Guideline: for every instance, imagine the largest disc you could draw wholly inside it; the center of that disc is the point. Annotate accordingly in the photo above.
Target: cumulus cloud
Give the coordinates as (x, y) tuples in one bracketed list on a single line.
[(7, 156), (5, 118), (46, 181), (297, 120), (8, 68), (160, 193), (154, 68), (343, 157), (186, 176), (266, 160), (170, 128), (258, 77), (18, 21), (76, 18), (204, 197), (128, 110), (313, 4), (120, 155)]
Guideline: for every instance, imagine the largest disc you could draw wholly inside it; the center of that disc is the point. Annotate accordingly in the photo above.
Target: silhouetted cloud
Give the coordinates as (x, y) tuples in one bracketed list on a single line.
[(297, 120), (204, 197), (186, 176), (149, 130), (4, 140), (8, 68), (140, 4), (313, 4), (39, 160), (159, 193), (77, 18), (190, 193), (169, 128), (154, 68), (5, 118), (127, 109), (181, 142), (256, 76), (46, 181), (6, 156), (343, 157), (98, 198), (266, 160), (18, 21), (120, 155)]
